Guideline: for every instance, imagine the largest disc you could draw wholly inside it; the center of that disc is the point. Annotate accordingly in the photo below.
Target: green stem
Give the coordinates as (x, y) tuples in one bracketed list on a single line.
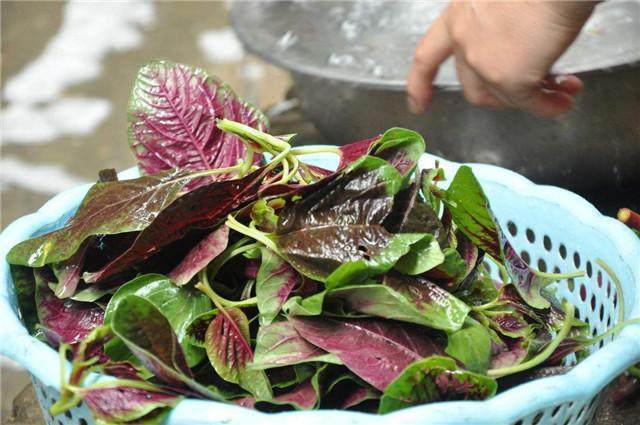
[(261, 237), (558, 276), (130, 383), (544, 354), (488, 305), (617, 283), (306, 150), (222, 303), (205, 173), (634, 371), (263, 139), (617, 328)]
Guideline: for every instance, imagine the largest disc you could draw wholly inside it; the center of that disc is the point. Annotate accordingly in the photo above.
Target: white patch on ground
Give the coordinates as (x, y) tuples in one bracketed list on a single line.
[(89, 32), (41, 178), (33, 124), (221, 45)]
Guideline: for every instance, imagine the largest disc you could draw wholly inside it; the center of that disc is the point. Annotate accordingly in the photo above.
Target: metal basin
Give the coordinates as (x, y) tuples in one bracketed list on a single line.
[(349, 61)]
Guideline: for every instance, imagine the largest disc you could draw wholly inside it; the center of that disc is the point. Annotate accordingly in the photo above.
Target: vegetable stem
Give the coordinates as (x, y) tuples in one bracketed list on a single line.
[(220, 302), (306, 150), (617, 283), (261, 237), (211, 172), (544, 354), (630, 218), (634, 371)]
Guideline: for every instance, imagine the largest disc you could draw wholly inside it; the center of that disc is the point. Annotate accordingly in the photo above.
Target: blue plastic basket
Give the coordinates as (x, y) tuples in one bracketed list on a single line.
[(553, 228)]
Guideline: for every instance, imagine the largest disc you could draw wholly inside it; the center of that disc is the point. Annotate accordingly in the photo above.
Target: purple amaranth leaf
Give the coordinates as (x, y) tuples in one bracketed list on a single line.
[(274, 282), (303, 396), (124, 404), (227, 345), (358, 396), (108, 208), (510, 353), (200, 255), (71, 321), (353, 151), (68, 271), (375, 350), (279, 344), (201, 208), (172, 120)]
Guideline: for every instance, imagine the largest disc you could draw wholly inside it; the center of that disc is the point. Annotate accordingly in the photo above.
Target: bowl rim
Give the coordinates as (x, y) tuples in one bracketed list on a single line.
[(578, 384)]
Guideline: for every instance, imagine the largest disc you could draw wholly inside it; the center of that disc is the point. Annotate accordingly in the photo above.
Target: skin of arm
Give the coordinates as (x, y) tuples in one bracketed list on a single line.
[(503, 52)]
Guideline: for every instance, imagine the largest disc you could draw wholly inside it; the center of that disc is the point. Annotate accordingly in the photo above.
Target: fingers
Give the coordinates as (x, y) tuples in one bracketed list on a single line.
[(431, 51), (545, 103), (473, 86), (569, 84)]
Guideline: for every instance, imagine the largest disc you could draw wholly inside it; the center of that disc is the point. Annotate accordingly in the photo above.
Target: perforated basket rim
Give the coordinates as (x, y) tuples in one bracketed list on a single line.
[(582, 383)]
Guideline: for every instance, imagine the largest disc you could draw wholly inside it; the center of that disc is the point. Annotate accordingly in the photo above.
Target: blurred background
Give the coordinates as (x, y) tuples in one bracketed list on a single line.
[(67, 70)]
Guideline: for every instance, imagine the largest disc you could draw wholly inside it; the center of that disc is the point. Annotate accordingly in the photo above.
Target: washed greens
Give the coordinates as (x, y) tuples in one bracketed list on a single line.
[(274, 284)]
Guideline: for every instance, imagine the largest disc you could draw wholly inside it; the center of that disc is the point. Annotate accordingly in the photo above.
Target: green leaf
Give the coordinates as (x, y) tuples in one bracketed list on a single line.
[(433, 379), (310, 306), (471, 212), (148, 334), (423, 256), (279, 344), (228, 349), (471, 345), (179, 304), (264, 216), (274, 282), (400, 147), (406, 299), (375, 262), (108, 208)]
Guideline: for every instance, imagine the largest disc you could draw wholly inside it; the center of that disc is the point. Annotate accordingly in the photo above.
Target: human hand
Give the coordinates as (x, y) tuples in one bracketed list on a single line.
[(503, 53)]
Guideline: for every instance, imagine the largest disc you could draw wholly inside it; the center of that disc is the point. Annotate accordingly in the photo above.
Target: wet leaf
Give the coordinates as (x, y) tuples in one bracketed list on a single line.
[(202, 208), (148, 334), (228, 349), (200, 255), (274, 282), (108, 208), (172, 120), (375, 350), (405, 299), (279, 344), (435, 379), (179, 305), (69, 320), (117, 404)]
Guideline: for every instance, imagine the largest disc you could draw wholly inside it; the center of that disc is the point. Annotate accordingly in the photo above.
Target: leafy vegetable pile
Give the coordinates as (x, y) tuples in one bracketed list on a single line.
[(276, 284)]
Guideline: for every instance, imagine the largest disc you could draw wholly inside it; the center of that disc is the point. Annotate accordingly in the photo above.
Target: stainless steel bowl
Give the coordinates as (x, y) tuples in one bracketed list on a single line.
[(349, 61)]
